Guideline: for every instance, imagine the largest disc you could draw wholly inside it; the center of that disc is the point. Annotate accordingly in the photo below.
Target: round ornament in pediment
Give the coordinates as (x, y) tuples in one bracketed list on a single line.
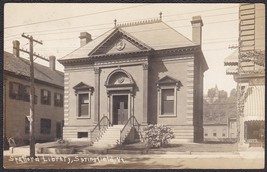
[(120, 45)]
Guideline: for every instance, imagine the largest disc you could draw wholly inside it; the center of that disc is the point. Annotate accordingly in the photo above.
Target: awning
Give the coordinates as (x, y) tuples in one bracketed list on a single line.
[(232, 59), (254, 104)]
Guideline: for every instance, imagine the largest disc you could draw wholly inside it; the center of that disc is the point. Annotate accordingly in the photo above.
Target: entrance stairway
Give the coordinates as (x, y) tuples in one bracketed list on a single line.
[(110, 138)]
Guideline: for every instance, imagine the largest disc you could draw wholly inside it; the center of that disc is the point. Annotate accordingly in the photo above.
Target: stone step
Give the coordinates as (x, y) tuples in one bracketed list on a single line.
[(110, 137)]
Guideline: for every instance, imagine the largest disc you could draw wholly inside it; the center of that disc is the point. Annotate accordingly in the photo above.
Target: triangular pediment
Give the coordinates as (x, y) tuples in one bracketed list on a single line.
[(82, 86), (168, 80), (119, 42)]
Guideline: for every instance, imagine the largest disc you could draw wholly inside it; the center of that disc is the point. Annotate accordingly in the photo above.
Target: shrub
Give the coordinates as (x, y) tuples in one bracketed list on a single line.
[(157, 135)]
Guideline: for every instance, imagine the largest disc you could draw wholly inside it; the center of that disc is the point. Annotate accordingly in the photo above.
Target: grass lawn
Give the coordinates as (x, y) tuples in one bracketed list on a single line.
[(195, 147)]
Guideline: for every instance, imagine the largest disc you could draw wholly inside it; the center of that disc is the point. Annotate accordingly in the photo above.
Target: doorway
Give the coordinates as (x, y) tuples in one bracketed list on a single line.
[(120, 109), (58, 130)]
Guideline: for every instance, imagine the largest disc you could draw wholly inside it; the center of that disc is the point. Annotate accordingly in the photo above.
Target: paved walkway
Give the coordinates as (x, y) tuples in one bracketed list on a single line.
[(134, 161), (249, 154)]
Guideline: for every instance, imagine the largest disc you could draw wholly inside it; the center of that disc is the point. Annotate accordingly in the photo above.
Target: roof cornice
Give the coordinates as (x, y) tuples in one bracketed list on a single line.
[(35, 80), (91, 59), (181, 50)]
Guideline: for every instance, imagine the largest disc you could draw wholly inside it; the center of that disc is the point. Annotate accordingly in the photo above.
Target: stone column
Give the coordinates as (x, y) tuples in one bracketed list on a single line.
[(145, 93), (97, 73)]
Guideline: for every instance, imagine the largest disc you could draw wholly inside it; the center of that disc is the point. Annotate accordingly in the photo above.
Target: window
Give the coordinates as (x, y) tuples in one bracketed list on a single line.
[(58, 100), (15, 90), (35, 99), (167, 103), (19, 92), (82, 134), (27, 126), (27, 93), (83, 105), (83, 93), (45, 97), (167, 96), (214, 134), (206, 134), (45, 127)]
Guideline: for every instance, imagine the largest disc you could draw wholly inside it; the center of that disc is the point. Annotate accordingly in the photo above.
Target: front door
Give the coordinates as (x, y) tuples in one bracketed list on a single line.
[(58, 130), (120, 109)]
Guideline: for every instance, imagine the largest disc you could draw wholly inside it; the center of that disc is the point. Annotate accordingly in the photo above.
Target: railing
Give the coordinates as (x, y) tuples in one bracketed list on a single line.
[(131, 122), (99, 129)]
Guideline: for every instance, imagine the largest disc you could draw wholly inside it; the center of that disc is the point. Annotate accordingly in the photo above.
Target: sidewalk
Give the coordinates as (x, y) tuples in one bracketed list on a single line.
[(248, 154)]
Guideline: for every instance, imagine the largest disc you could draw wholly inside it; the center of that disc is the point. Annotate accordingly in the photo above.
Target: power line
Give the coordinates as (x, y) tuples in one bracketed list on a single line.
[(120, 22), (147, 30), (156, 44), (59, 19), (132, 20), (201, 11)]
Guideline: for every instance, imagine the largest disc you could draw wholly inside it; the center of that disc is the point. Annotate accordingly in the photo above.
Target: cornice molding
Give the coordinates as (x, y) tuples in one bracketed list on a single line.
[(27, 78), (93, 58)]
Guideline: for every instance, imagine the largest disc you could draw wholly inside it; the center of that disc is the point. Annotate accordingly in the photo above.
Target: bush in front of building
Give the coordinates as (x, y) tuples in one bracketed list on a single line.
[(157, 135)]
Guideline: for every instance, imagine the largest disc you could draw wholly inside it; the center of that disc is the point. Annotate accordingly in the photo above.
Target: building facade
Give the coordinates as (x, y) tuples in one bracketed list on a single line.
[(145, 70), (48, 109), (223, 131), (247, 65)]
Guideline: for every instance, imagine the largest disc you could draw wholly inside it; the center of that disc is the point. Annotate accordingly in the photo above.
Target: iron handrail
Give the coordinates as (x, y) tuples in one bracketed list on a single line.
[(98, 125), (124, 127)]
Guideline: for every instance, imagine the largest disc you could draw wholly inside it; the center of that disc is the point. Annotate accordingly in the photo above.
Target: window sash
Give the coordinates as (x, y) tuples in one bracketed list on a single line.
[(27, 93), (45, 127), (83, 105), (45, 97), (14, 90), (167, 104), (58, 100), (19, 91)]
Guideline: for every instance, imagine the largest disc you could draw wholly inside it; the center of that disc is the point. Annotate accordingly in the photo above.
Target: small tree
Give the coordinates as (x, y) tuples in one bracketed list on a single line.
[(157, 135)]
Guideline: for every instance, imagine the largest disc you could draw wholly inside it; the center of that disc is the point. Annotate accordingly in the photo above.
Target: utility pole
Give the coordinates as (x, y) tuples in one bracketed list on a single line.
[(32, 94)]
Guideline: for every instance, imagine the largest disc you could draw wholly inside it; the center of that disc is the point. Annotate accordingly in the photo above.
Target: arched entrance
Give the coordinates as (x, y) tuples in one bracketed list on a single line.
[(120, 88)]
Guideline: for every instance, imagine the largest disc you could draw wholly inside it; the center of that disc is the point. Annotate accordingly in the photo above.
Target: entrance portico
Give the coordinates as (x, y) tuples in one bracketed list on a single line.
[(120, 88)]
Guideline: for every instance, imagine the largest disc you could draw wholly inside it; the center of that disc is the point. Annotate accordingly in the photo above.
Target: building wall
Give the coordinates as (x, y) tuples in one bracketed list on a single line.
[(86, 74), (252, 35), (17, 110), (136, 72), (198, 99), (260, 26), (176, 67), (232, 129), (180, 67), (215, 131), (76, 76)]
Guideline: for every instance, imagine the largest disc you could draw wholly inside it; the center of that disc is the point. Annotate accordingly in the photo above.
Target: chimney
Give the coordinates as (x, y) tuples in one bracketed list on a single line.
[(85, 37), (197, 29), (52, 62), (16, 48)]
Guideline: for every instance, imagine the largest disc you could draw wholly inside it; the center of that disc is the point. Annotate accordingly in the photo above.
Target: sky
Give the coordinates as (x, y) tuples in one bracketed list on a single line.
[(58, 26)]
